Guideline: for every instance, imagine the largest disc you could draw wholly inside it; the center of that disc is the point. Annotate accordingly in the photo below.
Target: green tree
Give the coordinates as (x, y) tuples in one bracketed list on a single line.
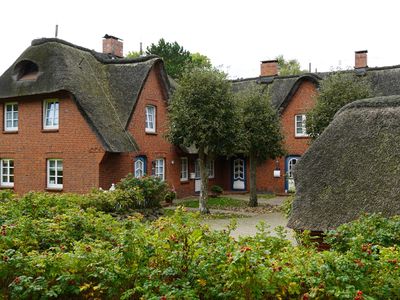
[(175, 57), (202, 114), (133, 54), (260, 134), (200, 61), (335, 91), (288, 67)]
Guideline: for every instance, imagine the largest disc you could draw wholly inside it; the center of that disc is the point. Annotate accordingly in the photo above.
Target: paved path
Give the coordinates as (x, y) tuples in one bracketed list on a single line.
[(247, 225)]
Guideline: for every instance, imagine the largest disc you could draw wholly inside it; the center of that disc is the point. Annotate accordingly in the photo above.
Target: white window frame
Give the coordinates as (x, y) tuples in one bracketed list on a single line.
[(55, 116), (184, 169), (303, 132), (140, 167), (211, 170), (150, 122), (159, 168), (57, 176), (8, 165), (238, 169), (12, 119), (209, 166)]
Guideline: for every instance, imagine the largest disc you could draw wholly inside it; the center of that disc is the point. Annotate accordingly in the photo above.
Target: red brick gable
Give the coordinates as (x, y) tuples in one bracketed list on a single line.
[(74, 142)]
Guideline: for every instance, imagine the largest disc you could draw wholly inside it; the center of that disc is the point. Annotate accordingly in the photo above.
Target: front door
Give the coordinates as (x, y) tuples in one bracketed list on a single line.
[(239, 174), (197, 177), (291, 161)]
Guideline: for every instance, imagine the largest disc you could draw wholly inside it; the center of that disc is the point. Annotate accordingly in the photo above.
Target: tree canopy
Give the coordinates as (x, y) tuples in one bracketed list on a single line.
[(202, 114), (288, 67), (175, 57), (337, 90), (260, 131), (133, 54)]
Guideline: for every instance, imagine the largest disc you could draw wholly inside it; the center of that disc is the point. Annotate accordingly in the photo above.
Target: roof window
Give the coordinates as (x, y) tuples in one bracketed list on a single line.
[(26, 70)]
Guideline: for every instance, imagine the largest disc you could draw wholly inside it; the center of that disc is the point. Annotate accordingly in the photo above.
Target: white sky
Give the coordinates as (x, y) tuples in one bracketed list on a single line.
[(234, 34)]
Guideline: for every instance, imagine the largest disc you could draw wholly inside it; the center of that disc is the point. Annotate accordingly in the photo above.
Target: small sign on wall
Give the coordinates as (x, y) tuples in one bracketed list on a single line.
[(277, 173), (192, 175)]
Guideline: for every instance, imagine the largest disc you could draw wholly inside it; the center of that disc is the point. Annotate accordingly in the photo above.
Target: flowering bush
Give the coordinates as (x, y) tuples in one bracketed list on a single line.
[(51, 246)]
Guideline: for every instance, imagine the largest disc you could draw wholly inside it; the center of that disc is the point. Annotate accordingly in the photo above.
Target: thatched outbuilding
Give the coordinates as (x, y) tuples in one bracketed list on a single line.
[(352, 168)]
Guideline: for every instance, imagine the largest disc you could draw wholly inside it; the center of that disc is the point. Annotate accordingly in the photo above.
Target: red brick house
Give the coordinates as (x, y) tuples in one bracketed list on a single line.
[(75, 119)]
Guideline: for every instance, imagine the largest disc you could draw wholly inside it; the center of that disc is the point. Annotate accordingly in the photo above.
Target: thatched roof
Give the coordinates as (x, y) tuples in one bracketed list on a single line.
[(352, 168), (280, 88), (385, 81), (105, 89)]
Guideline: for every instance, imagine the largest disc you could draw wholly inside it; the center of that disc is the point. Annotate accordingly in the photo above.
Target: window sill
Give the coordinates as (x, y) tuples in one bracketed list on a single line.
[(183, 181), (151, 132), (301, 136), (49, 130), (6, 187), (10, 131), (54, 189)]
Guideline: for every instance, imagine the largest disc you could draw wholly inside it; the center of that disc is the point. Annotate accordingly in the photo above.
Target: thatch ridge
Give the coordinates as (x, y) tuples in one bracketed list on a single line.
[(352, 168), (105, 89)]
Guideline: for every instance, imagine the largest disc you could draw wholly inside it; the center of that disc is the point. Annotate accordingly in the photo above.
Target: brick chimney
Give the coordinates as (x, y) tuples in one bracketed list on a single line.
[(269, 68), (113, 45), (361, 59)]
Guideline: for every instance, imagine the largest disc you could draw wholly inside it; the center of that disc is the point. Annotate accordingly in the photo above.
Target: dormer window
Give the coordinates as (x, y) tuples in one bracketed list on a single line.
[(26, 70)]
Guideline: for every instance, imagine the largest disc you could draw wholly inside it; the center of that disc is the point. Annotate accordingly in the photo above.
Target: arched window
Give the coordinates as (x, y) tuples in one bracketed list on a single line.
[(26, 70), (140, 166)]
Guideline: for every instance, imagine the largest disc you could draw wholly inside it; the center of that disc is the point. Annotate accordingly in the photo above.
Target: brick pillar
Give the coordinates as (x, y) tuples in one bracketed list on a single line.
[(361, 59), (113, 45), (269, 68)]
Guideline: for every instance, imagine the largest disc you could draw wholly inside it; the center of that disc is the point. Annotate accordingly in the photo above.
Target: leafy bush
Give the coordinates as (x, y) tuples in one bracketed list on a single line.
[(217, 190), (286, 207), (170, 196), (153, 189), (50, 247), (372, 229)]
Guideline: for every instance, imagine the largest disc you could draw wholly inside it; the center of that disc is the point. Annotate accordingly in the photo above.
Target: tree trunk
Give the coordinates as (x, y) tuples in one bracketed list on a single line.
[(253, 175), (204, 182)]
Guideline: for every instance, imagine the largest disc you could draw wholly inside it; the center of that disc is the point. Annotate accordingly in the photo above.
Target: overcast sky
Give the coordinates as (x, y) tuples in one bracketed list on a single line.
[(235, 34)]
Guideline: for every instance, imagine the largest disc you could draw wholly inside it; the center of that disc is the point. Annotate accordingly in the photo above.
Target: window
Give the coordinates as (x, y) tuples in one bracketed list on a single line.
[(11, 116), (140, 166), (150, 118), (238, 169), (184, 169), (159, 168), (50, 114), (209, 167), (55, 173), (300, 125), (7, 173)]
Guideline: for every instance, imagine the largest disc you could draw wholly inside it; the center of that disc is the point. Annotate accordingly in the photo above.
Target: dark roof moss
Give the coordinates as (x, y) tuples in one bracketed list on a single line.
[(105, 89), (352, 168)]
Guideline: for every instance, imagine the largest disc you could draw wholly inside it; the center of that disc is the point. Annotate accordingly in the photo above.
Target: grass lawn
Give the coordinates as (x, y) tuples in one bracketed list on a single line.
[(216, 203), (266, 196)]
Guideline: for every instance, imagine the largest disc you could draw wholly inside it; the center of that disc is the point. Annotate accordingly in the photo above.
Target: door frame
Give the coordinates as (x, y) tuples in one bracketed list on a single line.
[(287, 159), (244, 173)]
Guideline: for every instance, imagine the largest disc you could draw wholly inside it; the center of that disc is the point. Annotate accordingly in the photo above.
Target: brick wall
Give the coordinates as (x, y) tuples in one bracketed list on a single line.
[(302, 101), (74, 142)]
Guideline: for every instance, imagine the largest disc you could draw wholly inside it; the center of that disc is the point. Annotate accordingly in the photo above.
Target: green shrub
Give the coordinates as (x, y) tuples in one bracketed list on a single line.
[(286, 206), (217, 190), (152, 188), (170, 196), (52, 247), (373, 229)]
